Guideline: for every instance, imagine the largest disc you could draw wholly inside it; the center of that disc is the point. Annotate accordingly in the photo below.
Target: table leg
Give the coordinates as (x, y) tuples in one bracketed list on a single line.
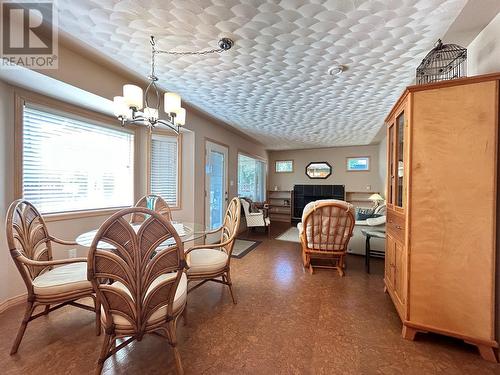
[(367, 254)]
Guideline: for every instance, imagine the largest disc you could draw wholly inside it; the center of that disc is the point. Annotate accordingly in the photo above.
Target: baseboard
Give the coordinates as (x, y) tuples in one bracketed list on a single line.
[(13, 301)]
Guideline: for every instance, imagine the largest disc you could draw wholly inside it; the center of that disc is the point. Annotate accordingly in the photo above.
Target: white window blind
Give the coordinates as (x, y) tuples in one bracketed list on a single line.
[(71, 164), (251, 178), (164, 168)]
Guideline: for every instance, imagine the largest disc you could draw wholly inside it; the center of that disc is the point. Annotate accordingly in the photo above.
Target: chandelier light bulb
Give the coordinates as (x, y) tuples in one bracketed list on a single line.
[(172, 102), (180, 118), (133, 96), (120, 107)]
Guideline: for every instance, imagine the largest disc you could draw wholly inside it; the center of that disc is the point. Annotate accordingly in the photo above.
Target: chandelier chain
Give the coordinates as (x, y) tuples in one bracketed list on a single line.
[(179, 53)]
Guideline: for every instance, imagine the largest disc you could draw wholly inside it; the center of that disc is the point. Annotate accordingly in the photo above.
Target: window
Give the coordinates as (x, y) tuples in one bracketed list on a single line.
[(361, 163), (74, 164), (283, 166), (251, 178), (164, 169)]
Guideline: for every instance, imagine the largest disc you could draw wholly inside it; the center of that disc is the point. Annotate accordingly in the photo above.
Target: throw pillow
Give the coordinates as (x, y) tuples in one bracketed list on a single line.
[(363, 213)]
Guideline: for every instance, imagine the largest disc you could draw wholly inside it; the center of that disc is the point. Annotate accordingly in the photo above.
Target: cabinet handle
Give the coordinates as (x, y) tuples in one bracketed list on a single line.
[(398, 226)]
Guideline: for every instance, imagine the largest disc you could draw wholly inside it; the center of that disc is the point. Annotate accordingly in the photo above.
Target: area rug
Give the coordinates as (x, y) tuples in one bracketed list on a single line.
[(243, 247), (290, 235)]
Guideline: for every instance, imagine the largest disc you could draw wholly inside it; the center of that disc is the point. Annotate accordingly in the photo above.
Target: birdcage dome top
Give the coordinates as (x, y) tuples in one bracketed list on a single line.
[(444, 61)]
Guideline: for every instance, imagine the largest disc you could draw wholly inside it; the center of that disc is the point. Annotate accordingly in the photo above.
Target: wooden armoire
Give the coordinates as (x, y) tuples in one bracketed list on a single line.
[(441, 249)]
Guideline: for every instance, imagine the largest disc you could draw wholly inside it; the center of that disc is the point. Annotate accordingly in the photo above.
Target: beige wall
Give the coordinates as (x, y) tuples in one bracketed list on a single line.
[(336, 156), (483, 53), (103, 80)]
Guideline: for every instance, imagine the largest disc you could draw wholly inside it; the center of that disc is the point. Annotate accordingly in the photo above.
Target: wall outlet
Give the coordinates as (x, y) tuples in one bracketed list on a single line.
[(72, 253)]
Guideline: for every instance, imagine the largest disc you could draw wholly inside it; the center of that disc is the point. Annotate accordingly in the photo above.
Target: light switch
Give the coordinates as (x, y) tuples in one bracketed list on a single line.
[(231, 183)]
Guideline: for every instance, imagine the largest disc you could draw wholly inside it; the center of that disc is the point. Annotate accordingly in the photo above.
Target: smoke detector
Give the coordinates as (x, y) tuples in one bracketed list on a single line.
[(337, 70)]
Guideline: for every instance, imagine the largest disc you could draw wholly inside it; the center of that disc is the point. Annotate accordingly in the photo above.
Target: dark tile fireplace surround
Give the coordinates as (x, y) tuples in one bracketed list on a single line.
[(303, 194)]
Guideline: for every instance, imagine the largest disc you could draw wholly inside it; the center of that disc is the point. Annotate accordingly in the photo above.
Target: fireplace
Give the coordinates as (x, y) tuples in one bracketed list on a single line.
[(303, 194)]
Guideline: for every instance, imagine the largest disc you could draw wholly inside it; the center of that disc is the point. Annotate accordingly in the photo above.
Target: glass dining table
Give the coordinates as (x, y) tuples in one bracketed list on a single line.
[(187, 232)]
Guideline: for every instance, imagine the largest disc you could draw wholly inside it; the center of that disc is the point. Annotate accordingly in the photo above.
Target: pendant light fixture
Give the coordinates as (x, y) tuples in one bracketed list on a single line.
[(143, 108)]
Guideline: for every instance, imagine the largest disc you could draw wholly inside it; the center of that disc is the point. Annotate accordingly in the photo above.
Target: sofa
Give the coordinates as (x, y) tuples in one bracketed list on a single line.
[(358, 240)]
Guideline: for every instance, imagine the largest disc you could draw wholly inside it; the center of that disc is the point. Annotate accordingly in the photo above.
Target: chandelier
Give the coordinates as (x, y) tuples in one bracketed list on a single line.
[(136, 107)]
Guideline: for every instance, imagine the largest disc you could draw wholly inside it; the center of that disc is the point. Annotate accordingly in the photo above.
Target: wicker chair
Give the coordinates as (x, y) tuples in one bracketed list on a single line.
[(30, 246), (155, 203), (142, 284), (256, 219), (325, 231), (209, 261)]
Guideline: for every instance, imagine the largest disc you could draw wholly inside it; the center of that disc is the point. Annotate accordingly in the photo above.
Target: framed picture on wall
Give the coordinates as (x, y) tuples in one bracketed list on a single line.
[(358, 164), (283, 166)]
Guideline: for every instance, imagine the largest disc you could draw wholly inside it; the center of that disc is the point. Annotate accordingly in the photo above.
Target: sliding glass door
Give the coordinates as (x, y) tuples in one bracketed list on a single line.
[(216, 194)]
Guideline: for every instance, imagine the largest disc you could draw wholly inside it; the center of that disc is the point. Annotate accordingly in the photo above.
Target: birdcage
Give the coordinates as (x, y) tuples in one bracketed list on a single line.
[(443, 62)]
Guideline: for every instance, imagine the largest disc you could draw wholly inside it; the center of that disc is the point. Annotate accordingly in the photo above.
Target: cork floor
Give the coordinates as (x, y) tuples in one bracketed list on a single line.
[(286, 322)]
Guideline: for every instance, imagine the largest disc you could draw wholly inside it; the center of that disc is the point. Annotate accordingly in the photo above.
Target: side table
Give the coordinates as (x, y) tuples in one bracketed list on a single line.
[(368, 251)]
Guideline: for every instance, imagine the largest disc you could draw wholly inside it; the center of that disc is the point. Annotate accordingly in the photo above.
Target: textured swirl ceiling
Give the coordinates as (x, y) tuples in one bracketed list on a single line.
[(273, 85)]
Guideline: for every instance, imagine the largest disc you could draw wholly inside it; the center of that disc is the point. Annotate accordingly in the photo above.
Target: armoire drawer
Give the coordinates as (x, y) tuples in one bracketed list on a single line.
[(395, 226)]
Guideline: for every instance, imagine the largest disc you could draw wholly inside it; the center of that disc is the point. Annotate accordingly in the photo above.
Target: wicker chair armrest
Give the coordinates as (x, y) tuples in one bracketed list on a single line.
[(203, 246), (62, 242), (47, 263), (214, 230), (210, 246)]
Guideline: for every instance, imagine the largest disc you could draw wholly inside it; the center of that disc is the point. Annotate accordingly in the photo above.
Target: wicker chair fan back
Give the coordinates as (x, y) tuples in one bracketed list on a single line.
[(136, 263), (231, 224), (27, 237), (159, 205)]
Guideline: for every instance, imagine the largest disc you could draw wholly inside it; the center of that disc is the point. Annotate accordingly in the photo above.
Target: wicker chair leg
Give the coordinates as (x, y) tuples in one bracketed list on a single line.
[(172, 333), (311, 269), (230, 285), (106, 347), (46, 311), (97, 306), (306, 259), (20, 333), (340, 270)]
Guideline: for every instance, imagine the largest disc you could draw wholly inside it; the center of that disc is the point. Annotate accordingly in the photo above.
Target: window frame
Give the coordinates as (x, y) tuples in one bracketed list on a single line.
[(287, 160), (266, 171), (164, 132), (22, 97)]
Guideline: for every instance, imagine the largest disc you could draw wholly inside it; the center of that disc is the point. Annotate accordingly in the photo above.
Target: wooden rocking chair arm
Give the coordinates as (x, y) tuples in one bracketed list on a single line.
[(47, 263), (62, 242)]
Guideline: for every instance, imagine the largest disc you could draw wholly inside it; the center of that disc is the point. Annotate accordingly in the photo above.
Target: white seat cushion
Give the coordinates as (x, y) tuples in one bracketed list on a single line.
[(205, 261), (300, 227), (179, 299), (374, 221), (63, 279)]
